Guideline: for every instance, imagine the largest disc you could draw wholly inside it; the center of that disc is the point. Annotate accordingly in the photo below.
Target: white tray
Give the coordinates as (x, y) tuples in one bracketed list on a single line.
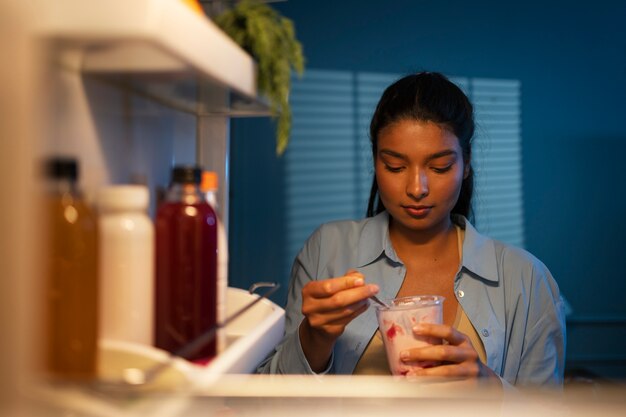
[(249, 339)]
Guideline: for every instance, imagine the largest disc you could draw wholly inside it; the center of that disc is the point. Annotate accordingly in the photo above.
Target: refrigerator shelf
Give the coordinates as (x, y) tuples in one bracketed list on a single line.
[(160, 49)]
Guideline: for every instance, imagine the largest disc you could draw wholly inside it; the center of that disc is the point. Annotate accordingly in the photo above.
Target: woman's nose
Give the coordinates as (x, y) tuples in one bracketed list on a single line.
[(417, 186)]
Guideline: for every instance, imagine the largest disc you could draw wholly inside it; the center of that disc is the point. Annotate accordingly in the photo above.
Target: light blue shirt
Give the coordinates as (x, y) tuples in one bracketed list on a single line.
[(508, 295)]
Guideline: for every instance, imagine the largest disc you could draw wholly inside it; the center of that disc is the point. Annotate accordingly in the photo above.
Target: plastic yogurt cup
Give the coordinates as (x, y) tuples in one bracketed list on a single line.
[(396, 326)]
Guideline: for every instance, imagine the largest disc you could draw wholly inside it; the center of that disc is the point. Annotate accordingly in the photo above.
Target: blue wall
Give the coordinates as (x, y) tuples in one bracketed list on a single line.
[(571, 60)]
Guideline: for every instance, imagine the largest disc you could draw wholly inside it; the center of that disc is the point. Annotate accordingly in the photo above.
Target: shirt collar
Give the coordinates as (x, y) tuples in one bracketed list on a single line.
[(374, 241), (479, 254)]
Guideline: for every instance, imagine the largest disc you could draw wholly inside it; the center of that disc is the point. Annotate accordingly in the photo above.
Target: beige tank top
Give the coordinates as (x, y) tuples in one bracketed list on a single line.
[(374, 359)]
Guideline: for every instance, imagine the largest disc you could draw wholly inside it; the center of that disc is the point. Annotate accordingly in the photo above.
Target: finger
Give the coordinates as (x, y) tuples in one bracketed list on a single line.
[(338, 315), (328, 287), (452, 370), (338, 301), (440, 353), (335, 323), (345, 298), (347, 319), (441, 331)]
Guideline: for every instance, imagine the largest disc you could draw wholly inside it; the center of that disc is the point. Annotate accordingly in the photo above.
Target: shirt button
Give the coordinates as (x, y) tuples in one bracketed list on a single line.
[(485, 332), (460, 293)]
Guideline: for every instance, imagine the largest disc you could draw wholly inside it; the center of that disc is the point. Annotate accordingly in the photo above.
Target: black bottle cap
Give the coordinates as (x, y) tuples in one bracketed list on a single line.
[(185, 174), (61, 168)]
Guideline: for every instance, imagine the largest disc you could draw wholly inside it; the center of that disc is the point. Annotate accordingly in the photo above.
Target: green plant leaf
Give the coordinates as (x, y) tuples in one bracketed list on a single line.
[(270, 39)]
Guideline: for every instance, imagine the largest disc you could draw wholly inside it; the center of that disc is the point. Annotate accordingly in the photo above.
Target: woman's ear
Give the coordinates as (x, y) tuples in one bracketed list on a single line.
[(466, 170)]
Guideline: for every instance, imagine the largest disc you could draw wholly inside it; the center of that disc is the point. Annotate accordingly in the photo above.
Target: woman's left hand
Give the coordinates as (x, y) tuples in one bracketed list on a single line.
[(457, 358)]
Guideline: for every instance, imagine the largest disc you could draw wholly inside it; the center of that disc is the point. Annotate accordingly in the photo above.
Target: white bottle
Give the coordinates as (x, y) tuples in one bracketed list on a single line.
[(209, 187), (126, 264)]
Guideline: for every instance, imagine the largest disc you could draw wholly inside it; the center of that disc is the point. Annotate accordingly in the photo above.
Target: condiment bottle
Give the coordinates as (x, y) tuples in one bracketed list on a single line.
[(186, 265), (72, 281), (126, 264)]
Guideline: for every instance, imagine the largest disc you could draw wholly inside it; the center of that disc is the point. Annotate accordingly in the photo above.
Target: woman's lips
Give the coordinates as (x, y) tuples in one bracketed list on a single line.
[(417, 211)]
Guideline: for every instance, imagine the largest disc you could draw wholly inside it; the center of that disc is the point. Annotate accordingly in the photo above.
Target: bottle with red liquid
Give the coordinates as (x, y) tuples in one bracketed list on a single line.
[(186, 265)]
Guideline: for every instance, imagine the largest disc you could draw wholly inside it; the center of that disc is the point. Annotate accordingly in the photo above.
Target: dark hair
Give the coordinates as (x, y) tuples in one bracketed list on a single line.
[(428, 97)]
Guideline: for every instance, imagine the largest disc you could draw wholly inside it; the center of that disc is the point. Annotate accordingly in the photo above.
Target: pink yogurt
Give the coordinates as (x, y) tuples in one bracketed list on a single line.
[(396, 325)]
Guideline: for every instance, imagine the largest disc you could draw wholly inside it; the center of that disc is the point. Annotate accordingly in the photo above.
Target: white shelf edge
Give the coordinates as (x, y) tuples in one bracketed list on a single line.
[(147, 36)]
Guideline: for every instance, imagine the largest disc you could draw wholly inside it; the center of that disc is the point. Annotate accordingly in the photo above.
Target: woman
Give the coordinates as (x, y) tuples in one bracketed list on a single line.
[(502, 315)]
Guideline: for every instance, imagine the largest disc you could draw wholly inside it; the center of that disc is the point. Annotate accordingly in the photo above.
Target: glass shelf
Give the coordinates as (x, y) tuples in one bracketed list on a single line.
[(189, 93)]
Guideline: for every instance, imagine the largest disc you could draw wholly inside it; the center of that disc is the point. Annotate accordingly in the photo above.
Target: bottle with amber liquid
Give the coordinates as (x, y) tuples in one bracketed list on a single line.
[(72, 285), (186, 265)]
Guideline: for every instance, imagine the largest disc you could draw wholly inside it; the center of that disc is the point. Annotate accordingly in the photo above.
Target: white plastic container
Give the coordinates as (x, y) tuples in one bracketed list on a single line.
[(126, 264)]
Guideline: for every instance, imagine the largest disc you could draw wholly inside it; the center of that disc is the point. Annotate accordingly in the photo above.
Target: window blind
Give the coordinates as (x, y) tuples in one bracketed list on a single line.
[(498, 200), (321, 167)]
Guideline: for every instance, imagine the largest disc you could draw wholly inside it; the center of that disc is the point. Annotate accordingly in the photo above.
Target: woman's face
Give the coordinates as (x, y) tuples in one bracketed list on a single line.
[(419, 169)]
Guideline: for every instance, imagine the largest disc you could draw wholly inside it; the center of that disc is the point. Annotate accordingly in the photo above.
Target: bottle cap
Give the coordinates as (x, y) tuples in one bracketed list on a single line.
[(187, 174), (61, 167), (209, 181), (123, 197)]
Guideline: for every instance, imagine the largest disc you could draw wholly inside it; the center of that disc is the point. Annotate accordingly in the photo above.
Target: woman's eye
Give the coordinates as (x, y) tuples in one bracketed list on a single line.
[(441, 170), (393, 169)]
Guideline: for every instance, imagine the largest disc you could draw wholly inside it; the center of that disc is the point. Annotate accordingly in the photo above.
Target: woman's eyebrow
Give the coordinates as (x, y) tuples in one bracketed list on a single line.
[(392, 153), (447, 152), (441, 154)]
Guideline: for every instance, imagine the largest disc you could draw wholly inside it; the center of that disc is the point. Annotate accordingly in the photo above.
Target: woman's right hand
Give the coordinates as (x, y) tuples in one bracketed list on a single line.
[(328, 306)]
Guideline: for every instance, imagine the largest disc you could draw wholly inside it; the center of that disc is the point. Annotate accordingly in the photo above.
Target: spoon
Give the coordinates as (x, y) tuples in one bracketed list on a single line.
[(377, 300)]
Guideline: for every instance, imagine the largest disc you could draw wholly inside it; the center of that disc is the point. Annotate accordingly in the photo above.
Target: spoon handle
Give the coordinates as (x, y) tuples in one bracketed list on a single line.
[(376, 299)]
